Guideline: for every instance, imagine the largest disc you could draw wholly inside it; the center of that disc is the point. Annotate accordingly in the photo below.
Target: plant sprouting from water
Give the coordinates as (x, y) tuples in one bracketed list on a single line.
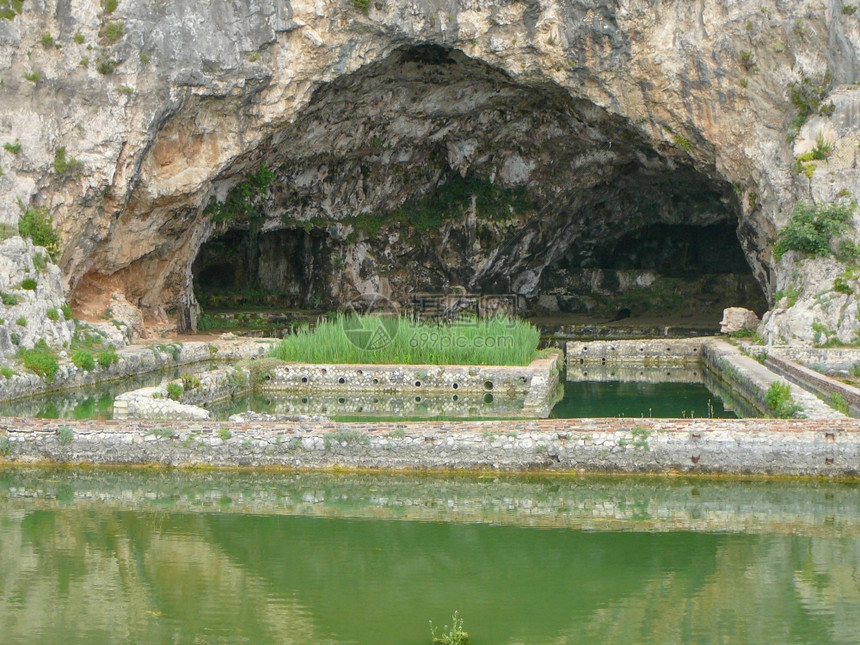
[(454, 635)]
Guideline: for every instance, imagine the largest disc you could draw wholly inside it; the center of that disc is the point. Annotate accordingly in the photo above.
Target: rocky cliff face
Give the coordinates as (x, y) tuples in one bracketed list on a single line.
[(326, 149)]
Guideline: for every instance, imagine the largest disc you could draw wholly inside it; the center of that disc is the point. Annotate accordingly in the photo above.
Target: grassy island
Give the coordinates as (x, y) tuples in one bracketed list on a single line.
[(403, 340)]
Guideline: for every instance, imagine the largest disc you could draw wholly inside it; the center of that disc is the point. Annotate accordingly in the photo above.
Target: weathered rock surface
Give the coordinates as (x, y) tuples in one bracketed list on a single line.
[(738, 318), (30, 314), (562, 131)]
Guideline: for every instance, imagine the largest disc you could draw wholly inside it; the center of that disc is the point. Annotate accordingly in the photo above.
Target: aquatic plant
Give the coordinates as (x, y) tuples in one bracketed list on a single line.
[(455, 635), (403, 340)]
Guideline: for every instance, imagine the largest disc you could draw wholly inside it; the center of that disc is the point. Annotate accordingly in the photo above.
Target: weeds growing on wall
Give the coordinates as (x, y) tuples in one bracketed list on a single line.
[(811, 228), (38, 225), (781, 402), (808, 95), (41, 360), (403, 340), (240, 203)]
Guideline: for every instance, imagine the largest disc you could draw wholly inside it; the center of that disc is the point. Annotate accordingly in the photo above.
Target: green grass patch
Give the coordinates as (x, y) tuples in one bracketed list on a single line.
[(9, 299), (7, 372), (28, 284), (402, 340), (13, 148)]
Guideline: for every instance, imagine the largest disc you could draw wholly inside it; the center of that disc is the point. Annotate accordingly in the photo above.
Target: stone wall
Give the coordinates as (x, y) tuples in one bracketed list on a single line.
[(685, 350), (823, 447), (814, 382), (132, 361), (531, 389)]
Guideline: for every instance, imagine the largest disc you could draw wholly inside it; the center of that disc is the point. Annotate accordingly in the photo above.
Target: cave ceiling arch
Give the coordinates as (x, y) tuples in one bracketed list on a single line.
[(430, 169)]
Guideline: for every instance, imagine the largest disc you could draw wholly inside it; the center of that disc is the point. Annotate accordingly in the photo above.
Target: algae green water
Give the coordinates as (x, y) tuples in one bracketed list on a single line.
[(154, 557), (586, 399)]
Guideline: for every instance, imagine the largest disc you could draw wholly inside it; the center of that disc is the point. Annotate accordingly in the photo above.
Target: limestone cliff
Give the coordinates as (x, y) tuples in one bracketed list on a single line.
[(402, 146)]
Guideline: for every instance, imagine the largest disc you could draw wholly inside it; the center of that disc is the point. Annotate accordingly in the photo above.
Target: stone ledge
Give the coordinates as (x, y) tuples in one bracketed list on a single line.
[(823, 447)]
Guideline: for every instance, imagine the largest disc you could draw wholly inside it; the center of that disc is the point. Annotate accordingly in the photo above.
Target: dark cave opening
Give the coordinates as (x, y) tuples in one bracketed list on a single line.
[(430, 171)]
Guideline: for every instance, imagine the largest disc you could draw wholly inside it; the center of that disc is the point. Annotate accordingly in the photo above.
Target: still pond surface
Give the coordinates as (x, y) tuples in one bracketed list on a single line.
[(110, 556)]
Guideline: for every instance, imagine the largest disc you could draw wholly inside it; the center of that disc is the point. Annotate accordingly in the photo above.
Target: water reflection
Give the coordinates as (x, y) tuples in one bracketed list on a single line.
[(113, 556)]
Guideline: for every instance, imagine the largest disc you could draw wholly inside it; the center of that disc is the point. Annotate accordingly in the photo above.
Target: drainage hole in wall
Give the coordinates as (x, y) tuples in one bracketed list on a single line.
[(523, 379), (304, 399), (341, 380), (488, 385), (417, 399), (417, 383), (375, 400), (304, 379), (456, 386), (376, 381), (488, 398), (341, 400), (359, 372), (323, 371), (456, 397)]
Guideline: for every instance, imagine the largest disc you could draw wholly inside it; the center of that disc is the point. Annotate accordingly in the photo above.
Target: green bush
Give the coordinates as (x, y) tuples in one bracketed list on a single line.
[(53, 314), (174, 391), (28, 284), (38, 225), (10, 8), (47, 39), (14, 148), (107, 358), (106, 66), (780, 401), (811, 228), (8, 299), (83, 359), (109, 5), (67, 311), (40, 360), (79, 38), (64, 165), (7, 372), (21, 322), (113, 31)]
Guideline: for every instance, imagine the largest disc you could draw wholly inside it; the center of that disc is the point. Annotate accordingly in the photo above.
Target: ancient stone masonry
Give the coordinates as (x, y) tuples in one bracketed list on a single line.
[(823, 447), (409, 146), (528, 391)]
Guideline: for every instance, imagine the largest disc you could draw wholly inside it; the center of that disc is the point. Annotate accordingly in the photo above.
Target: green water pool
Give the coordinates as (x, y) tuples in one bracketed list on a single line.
[(114, 556)]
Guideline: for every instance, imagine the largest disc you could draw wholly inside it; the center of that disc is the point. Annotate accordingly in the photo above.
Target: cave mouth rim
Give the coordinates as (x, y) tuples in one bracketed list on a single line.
[(434, 54)]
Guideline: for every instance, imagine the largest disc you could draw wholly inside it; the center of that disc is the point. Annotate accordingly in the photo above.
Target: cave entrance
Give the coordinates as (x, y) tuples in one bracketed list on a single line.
[(244, 268), (430, 171)]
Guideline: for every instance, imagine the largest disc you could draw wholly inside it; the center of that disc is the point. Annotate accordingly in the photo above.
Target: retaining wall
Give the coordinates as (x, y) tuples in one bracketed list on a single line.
[(813, 381), (523, 391), (131, 361), (825, 447)]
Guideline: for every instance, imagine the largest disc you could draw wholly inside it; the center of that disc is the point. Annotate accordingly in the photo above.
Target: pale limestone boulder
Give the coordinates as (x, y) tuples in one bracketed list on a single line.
[(738, 318)]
